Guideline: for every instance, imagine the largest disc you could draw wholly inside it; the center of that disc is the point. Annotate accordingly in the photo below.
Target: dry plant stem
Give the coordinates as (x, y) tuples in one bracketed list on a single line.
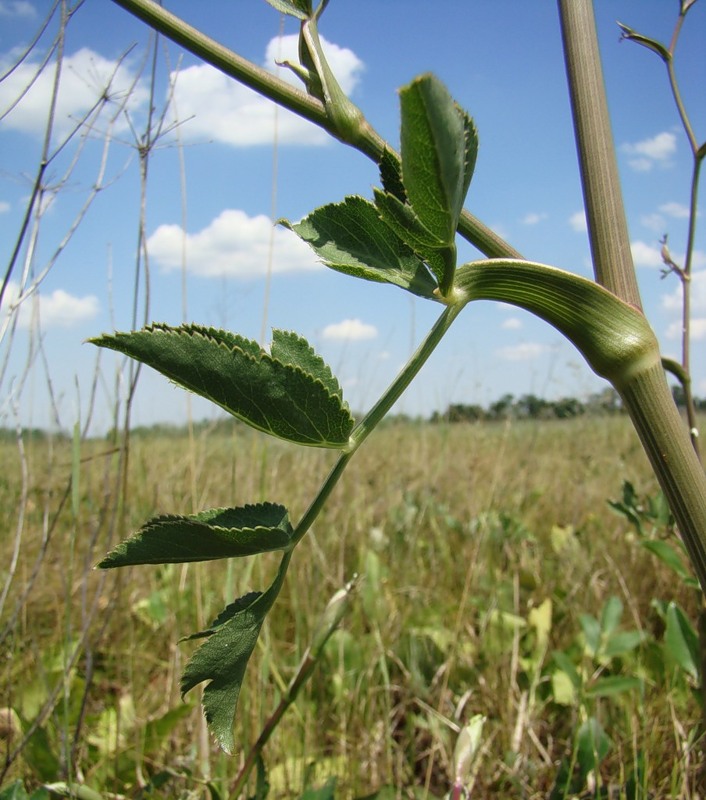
[(282, 93), (685, 273), (305, 671), (44, 159), (646, 397), (607, 227)]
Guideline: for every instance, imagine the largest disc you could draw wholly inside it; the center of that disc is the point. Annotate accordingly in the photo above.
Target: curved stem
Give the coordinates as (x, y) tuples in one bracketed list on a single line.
[(367, 140), (224, 59), (674, 86)]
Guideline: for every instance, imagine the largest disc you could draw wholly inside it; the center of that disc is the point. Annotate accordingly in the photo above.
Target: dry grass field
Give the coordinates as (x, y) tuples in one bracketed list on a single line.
[(489, 557)]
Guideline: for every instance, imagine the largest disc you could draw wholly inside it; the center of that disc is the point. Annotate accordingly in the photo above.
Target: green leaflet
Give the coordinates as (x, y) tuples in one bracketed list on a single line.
[(17, 791), (407, 225), (224, 656), (391, 175), (291, 348), (301, 9), (294, 397), (439, 146), (613, 685), (208, 535), (351, 237), (681, 641), (593, 745)]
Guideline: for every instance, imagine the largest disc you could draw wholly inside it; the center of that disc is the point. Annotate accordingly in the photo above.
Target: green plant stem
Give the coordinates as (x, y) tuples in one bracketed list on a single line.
[(224, 59), (688, 258), (673, 459), (366, 426), (366, 140), (370, 421), (685, 276), (647, 398)]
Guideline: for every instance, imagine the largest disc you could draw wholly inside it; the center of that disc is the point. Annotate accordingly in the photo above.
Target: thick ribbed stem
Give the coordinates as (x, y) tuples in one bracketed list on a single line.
[(607, 227), (673, 459)]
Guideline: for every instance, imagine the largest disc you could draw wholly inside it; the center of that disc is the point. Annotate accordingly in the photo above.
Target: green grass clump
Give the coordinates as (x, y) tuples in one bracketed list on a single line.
[(489, 556)]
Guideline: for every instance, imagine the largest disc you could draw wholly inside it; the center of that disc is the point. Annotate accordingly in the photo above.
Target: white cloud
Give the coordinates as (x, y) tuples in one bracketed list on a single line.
[(218, 108), (85, 77), (644, 255), (59, 309), (4, 206), (349, 330), (697, 329), (511, 324), (534, 217), (673, 301), (648, 152), (656, 221), (578, 222), (526, 351), (17, 8), (676, 210), (698, 259), (233, 244)]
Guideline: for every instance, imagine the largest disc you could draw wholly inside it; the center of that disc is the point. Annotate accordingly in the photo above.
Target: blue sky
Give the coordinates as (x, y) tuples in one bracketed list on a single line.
[(216, 180)]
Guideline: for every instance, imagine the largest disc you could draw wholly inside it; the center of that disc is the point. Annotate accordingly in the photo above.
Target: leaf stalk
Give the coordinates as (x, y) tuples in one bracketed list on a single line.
[(376, 414)]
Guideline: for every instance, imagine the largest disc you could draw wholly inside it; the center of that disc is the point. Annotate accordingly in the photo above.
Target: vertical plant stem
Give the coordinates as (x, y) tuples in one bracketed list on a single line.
[(673, 459), (607, 227), (648, 399), (685, 275)]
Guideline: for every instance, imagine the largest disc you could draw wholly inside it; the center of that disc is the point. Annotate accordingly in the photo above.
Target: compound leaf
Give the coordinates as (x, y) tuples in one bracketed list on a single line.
[(224, 656), (351, 237), (280, 398), (208, 535)]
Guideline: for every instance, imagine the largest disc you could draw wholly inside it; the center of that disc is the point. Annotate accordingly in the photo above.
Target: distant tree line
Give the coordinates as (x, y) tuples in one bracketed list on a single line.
[(529, 406)]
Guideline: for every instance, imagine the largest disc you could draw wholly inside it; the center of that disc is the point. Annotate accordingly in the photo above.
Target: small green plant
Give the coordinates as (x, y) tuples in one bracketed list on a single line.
[(406, 236), (654, 525)]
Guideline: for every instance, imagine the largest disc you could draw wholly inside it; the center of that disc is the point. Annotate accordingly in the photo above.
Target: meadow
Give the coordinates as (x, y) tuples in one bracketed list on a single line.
[(496, 579)]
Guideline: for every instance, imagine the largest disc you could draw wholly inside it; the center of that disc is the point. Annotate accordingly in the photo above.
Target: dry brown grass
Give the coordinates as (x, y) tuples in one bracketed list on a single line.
[(449, 524)]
